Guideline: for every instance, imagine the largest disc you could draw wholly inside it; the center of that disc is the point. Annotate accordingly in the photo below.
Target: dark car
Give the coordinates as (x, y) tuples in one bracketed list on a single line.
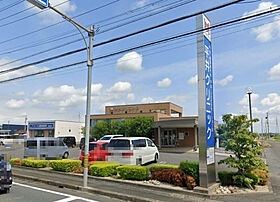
[(82, 142), (70, 141), (5, 175), (97, 151)]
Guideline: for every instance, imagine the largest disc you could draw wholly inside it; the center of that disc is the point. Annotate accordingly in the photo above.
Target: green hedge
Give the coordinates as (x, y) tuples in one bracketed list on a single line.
[(104, 169), (159, 167), (35, 163), (191, 168), (226, 178), (65, 165), (15, 161), (131, 172), (233, 178)]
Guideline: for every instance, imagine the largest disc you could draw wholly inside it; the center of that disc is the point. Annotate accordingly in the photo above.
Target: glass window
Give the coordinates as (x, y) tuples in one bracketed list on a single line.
[(51, 143), (104, 146), (61, 143), (139, 143), (42, 144), (119, 144), (92, 146), (106, 138), (150, 143), (31, 144)]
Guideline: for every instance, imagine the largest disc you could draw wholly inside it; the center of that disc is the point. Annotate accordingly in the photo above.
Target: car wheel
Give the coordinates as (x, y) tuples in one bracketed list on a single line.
[(6, 190), (65, 155), (156, 158)]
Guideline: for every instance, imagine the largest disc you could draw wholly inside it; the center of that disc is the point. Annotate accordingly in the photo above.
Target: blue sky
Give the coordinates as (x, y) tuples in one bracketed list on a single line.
[(243, 55)]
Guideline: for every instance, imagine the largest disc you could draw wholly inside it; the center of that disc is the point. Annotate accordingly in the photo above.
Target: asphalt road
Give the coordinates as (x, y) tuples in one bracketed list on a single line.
[(26, 191)]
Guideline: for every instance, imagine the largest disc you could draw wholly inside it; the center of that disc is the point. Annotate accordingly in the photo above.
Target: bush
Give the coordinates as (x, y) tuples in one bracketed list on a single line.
[(262, 174), (226, 178), (15, 161), (35, 163), (159, 167), (254, 177), (191, 168), (174, 176), (243, 181), (104, 169), (131, 172), (65, 165)]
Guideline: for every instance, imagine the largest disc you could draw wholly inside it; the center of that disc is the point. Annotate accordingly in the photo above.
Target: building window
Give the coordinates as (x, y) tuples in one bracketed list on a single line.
[(141, 111), (69, 130), (186, 133), (112, 112), (125, 112)]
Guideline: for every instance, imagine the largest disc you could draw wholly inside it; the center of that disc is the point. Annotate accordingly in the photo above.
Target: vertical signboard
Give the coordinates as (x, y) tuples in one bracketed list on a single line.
[(205, 103)]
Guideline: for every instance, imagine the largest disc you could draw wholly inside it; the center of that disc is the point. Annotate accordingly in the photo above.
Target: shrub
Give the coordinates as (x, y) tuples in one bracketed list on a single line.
[(191, 168), (104, 169), (254, 177), (262, 174), (226, 178), (243, 181), (174, 176), (131, 172), (35, 163), (15, 161), (159, 167), (65, 165)]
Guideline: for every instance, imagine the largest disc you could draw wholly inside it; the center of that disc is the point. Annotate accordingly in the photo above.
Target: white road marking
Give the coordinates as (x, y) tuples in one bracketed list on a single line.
[(70, 197)]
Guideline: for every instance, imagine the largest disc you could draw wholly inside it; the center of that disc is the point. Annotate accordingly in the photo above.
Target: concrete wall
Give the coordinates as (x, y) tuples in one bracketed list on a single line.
[(68, 128)]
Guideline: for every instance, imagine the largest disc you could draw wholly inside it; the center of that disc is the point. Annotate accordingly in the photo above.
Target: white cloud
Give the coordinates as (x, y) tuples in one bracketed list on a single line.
[(272, 99), (245, 100), (147, 100), (224, 81), (18, 73), (275, 110), (130, 96), (164, 83), (193, 80), (176, 98), (130, 62), (20, 93), (140, 3), (15, 104), (274, 72), (120, 87), (49, 16), (267, 31)]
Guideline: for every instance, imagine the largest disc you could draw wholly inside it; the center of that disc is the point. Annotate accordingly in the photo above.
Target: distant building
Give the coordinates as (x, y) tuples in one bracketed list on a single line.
[(11, 129), (171, 129), (55, 128)]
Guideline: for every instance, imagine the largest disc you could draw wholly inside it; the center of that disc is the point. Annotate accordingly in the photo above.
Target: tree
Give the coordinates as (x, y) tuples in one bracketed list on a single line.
[(242, 142), (139, 127), (101, 128)]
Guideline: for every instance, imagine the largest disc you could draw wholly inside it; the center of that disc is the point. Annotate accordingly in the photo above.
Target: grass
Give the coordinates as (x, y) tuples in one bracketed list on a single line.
[(277, 138)]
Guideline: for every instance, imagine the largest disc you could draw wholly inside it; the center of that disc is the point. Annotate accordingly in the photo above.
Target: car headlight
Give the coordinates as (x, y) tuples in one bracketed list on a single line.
[(8, 167)]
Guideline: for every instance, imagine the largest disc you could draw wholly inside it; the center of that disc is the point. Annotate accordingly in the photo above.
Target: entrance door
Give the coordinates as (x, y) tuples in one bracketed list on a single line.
[(168, 138)]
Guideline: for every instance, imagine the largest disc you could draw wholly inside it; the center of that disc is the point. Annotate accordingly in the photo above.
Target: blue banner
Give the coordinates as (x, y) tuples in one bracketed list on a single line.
[(41, 125), (210, 136)]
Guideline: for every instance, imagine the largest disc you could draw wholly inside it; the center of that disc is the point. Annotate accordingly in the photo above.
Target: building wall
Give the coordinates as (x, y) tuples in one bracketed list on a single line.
[(68, 128)]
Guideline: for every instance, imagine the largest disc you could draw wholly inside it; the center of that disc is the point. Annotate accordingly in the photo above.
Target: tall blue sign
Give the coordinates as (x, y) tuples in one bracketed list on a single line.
[(209, 113), (40, 3)]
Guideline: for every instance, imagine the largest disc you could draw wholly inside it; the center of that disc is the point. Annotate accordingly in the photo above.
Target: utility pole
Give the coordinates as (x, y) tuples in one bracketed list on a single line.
[(249, 92), (267, 124), (277, 127), (25, 123), (45, 4), (262, 126)]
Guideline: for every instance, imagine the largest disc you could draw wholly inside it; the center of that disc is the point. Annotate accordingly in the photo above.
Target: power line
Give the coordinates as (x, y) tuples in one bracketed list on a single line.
[(128, 35), (11, 5), (54, 39), (77, 40), (145, 45), (38, 30)]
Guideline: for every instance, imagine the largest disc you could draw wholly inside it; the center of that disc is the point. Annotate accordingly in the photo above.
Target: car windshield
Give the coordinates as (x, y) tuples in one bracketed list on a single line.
[(106, 138), (119, 144), (92, 146)]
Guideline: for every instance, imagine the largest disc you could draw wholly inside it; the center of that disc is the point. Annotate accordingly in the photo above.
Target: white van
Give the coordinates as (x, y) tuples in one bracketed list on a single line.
[(45, 147), (107, 138), (132, 151)]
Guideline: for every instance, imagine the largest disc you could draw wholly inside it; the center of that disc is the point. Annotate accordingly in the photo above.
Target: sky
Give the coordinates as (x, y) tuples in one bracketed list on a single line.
[(244, 55)]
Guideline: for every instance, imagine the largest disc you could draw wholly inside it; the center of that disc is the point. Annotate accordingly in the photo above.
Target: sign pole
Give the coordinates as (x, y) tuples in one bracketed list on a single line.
[(207, 167)]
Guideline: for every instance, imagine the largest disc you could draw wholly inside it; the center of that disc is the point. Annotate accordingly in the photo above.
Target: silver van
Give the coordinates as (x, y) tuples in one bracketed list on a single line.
[(45, 147)]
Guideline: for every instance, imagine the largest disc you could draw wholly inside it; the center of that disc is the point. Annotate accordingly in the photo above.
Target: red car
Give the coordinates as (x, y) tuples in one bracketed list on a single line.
[(97, 151)]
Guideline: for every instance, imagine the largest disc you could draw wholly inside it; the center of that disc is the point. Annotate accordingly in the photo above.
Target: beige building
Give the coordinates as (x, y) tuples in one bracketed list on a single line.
[(171, 128)]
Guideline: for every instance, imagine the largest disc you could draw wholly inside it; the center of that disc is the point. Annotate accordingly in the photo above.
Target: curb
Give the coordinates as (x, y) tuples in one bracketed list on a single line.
[(87, 189)]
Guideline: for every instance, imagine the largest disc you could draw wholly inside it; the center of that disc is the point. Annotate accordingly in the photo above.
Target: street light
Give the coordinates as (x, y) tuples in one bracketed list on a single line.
[(249, 92), (45, 4)]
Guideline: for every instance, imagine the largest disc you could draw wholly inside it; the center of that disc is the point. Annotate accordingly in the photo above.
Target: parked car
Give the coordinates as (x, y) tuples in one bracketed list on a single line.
[(107, 138), (5, 175), (45, 147), (82, 141), (132, 150), (70, 141), (97, 151)]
